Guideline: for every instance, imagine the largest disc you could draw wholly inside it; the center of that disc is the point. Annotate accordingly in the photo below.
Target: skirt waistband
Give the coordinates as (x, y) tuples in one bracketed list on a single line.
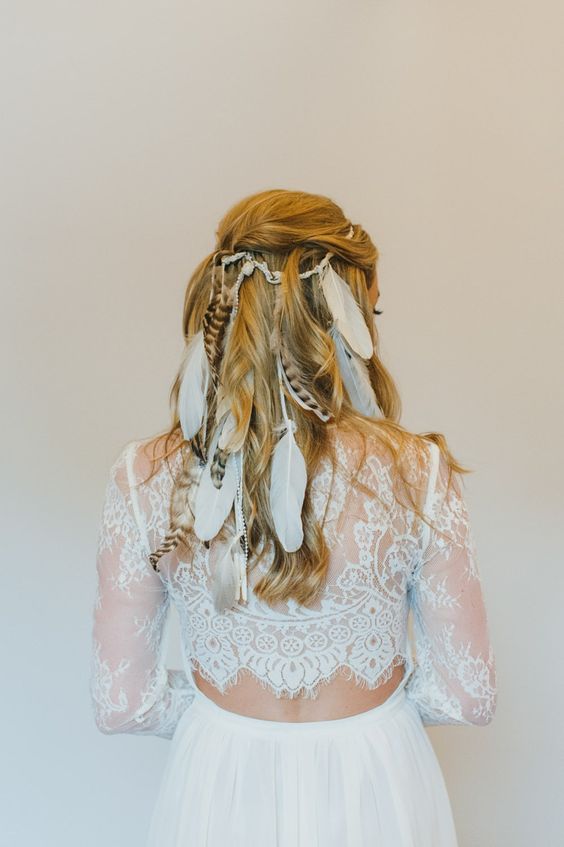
[(394, 703)]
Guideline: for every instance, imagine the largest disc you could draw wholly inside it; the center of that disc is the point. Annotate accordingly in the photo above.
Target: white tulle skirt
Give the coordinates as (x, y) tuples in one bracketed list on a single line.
[(368, 780)]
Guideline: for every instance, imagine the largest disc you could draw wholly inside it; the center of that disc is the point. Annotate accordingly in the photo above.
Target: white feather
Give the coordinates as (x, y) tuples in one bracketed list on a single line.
[(356, 379), (346, 312), (287, 490), (227, 575), (227, 430), (196, 475), (193, 386), (222, 404), (212, 505)]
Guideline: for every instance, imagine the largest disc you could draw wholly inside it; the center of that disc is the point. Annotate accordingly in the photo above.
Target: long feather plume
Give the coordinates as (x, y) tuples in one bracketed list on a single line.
[(212, 505), (288, 481), (227, 575), (286, 366), (223, 404), (354, 374), (193, 386), (227, 431), (346, 311), (295, 387)]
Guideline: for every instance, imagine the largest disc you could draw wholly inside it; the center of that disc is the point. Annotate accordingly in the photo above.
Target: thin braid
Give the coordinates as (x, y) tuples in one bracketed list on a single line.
[(182, 511)]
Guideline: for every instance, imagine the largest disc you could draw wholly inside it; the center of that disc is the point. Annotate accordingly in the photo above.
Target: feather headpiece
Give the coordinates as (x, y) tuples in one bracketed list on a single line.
[(221, 482)]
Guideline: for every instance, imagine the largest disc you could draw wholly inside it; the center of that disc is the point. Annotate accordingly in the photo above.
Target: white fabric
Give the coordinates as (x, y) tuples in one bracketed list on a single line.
[(359, 781), (384, 562)]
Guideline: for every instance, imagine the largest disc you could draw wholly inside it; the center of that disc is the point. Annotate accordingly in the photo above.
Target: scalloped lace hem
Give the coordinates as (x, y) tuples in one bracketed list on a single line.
[(306, 691)]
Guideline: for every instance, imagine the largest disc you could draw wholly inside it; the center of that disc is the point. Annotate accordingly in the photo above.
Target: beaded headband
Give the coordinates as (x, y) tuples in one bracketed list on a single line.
[(220, 481)]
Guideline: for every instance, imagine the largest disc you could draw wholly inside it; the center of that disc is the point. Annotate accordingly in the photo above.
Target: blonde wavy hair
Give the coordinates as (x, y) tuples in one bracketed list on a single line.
[(291, 231)]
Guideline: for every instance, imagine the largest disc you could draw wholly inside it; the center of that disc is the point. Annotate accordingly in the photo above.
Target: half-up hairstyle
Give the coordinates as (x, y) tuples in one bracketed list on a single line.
[(291, 232)]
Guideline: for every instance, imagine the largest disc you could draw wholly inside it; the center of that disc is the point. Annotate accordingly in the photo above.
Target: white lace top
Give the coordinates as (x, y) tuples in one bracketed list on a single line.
[(385, 562)]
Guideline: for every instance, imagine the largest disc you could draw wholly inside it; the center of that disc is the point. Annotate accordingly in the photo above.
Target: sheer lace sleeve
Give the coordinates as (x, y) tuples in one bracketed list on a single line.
[(454, 681), (131, 689)]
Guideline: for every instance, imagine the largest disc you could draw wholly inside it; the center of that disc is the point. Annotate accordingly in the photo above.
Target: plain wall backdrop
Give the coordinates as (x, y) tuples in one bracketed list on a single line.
[(128, 128)]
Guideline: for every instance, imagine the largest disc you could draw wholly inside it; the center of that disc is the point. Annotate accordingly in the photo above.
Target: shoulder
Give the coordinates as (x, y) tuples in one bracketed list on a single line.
[(407, 455), (384, 457), (408, 460), (356, 445), (140, 460)]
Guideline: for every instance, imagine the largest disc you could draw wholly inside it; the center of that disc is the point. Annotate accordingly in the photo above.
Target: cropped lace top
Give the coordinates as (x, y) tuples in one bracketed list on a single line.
[(385, 562)]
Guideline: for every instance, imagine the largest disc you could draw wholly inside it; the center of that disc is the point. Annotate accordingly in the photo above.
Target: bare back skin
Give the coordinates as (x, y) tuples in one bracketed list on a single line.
[(339, 698)]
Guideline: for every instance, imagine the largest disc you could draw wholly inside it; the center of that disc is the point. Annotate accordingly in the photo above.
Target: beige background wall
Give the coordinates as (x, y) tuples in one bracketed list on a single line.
[(127, 130)]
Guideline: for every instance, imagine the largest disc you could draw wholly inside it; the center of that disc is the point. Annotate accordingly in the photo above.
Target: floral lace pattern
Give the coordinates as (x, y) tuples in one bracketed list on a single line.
[(384, 563), (455, 680), (131, 690)]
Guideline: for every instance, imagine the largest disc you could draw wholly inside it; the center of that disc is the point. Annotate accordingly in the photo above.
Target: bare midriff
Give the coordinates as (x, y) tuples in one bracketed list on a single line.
[(339, 698)]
